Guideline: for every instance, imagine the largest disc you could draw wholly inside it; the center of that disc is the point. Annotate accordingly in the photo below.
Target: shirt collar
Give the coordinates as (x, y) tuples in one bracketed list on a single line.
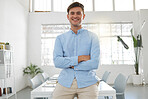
[(79, 31)]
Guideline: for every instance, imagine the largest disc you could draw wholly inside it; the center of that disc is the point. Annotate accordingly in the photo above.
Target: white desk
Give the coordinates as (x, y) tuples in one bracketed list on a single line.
[(46, 91), (106, 90), (54, 77)]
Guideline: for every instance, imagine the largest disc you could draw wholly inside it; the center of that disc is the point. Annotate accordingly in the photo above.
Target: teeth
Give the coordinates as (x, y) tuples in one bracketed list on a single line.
[(75, 19)]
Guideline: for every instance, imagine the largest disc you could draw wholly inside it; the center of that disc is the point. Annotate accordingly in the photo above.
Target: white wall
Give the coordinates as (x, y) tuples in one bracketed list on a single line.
[(34, 39), (144, 16), (13, 29)]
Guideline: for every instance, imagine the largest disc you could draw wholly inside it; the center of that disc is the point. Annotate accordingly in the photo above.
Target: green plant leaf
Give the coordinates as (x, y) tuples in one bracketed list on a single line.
[(135, 41), (135, 44), (32, 70)]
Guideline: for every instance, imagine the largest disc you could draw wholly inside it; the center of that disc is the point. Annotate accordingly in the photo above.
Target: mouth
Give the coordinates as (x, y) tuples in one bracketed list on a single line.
[(75, 20)]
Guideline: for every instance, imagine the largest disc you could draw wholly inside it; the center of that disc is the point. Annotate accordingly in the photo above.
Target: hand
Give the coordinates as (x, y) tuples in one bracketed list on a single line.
[(72, 67), (83, 58)]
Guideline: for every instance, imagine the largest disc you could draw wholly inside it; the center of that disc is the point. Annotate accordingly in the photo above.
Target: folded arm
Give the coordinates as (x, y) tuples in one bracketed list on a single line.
[(59, 60), (93, 62)]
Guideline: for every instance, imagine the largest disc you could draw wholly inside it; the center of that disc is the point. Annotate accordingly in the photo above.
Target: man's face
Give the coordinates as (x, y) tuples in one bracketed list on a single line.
[(75, 16)]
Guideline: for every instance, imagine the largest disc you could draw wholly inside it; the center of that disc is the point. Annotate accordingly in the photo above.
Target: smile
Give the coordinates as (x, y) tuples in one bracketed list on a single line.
[(75, 19)]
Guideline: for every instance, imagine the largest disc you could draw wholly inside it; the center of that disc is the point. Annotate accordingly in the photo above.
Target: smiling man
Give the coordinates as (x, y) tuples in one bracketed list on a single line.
[(77, 53)]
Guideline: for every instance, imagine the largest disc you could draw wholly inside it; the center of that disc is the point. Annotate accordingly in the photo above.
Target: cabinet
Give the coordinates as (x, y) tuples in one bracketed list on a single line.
[(7, 78)]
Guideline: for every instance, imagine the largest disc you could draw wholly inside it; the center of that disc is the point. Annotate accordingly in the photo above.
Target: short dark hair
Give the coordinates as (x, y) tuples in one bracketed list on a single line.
[(75, 4)]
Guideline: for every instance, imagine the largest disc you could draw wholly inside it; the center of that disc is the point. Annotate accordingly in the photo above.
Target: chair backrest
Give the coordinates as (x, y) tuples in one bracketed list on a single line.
[(45, 76), (105, 76), (36, 81), (120, 84)]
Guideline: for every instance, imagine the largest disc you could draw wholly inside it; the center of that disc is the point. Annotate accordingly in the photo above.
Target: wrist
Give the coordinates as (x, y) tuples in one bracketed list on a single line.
[(79, 59)]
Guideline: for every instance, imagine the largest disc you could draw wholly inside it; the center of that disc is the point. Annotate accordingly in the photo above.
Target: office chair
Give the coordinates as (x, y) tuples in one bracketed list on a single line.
[(120, 85), (105, 76), (36, 81), (44, 76)]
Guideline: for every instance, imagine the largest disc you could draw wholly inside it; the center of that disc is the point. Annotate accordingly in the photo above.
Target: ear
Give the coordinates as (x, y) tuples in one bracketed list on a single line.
[(83, 16), (68, 16)]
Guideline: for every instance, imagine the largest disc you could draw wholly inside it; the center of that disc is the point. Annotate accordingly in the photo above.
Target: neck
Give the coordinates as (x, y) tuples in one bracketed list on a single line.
[(75, 29)]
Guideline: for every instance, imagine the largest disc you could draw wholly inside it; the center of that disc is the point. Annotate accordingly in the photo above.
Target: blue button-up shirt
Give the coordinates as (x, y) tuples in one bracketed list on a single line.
[(68, 47)]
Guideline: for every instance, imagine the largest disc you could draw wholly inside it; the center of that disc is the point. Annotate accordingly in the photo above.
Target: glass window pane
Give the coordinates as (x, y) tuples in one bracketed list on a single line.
[(123, 5), (87, 4), (91, 27), (116, 29), (42, 5), (46, 52), (105, 49), (48, 36), (141, 4), (126, 29), (104, 29), (61, 5), (103, 5)]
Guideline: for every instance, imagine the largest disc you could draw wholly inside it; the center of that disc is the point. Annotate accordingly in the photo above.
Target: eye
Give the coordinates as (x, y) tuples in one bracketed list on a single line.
[(78, 13), (72, 13)]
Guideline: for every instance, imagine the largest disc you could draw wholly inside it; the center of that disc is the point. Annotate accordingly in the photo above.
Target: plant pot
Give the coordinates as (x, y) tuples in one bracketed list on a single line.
[(7, 47), (137, 79), (28, 80)]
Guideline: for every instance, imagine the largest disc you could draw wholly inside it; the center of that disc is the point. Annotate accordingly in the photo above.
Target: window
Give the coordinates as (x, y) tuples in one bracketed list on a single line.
[(123, 5), (112, 51), (48, 36), (141, 4), (103, 5), (88, 6), (42, 5), (98, 5), (61, 5)]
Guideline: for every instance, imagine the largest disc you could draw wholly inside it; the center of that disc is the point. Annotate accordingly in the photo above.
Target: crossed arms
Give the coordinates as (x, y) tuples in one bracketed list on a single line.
[(82, 62)]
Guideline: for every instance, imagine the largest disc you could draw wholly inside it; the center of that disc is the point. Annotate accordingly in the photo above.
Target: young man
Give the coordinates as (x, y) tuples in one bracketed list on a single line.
[(77, 53)]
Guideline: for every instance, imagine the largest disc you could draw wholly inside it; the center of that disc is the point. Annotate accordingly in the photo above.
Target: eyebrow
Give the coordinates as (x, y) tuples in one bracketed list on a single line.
[(76, 12)]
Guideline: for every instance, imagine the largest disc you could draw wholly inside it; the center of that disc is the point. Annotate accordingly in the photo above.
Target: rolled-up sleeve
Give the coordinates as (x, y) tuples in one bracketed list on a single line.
[(59, 60)]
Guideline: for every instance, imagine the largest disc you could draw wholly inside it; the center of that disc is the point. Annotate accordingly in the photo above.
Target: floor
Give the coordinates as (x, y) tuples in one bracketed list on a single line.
[(136, 92), (131, 92)]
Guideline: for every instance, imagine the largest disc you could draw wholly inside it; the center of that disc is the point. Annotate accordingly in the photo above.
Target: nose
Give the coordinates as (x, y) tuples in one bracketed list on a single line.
[(75, 15)]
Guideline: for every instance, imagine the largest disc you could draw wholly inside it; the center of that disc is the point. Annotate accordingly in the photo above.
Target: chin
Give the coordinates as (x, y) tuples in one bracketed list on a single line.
[(76, 25)]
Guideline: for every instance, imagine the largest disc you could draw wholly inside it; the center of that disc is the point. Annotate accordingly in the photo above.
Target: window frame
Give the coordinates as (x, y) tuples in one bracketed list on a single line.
[(31, 6)]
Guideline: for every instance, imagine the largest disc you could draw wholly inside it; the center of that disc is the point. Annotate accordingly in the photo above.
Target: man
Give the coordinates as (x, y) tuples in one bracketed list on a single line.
[(77, 53)]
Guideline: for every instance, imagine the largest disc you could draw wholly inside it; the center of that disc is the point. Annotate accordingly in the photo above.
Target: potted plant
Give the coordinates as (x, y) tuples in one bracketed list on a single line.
[(32, 70), (137, 43), (7, 46)]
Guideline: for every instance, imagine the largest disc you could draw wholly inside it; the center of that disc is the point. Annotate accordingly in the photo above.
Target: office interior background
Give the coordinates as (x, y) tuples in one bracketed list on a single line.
[(31, 26)]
